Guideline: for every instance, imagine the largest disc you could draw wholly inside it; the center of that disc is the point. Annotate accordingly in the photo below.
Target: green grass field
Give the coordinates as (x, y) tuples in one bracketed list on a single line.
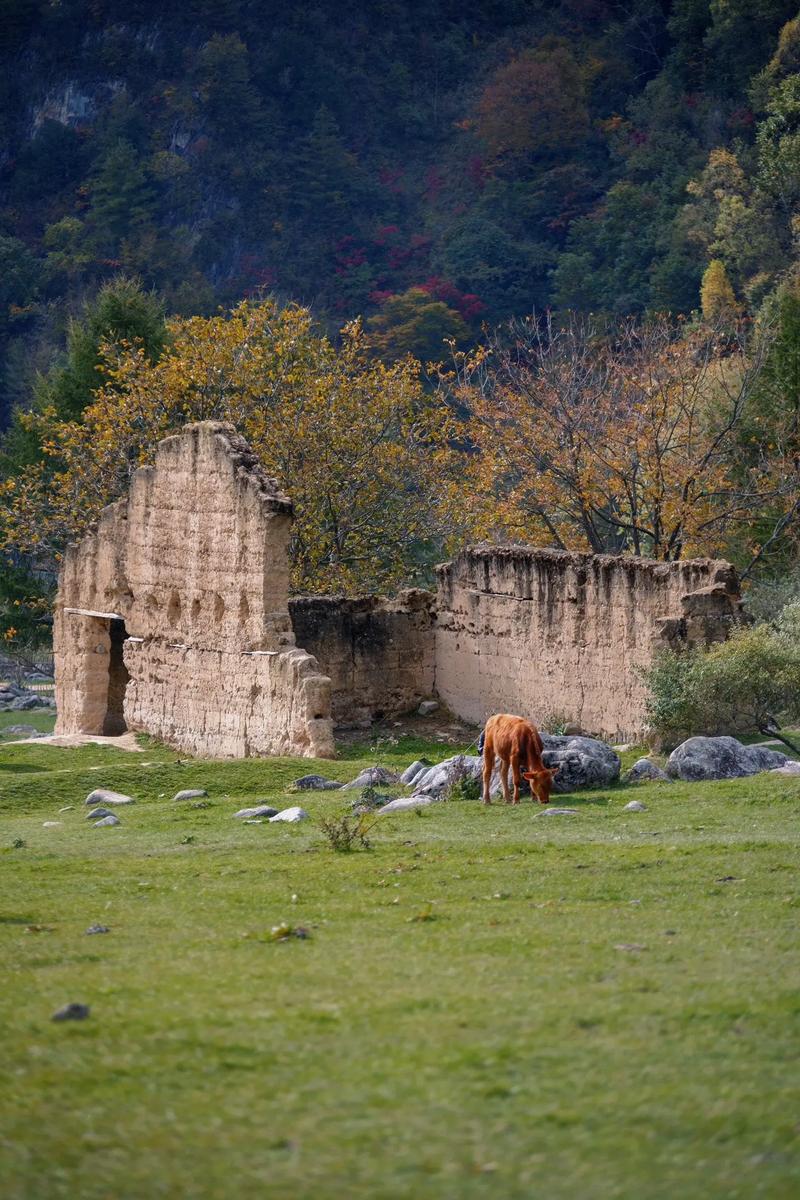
[(492, 1003)]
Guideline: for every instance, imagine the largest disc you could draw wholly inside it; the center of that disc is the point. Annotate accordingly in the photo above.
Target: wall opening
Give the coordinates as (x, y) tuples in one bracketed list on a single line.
[(118, 677)]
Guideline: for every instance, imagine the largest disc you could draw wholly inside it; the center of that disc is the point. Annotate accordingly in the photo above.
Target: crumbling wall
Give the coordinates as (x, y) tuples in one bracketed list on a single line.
[(544, 632), (194, 562), (378, 653)]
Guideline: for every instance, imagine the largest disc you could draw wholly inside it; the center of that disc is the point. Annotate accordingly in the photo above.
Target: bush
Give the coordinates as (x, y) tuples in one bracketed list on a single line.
[(344, 832), (751, 681)]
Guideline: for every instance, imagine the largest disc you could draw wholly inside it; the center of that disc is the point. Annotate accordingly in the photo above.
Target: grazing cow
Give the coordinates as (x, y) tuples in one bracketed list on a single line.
[(515, 742)]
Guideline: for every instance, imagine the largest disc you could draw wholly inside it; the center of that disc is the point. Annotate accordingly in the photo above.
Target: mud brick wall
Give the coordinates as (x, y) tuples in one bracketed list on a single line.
[(540, 632), (378, 653), (191, 573)]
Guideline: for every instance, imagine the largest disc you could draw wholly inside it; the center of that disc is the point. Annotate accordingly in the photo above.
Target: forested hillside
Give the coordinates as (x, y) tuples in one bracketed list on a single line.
[(433, 166)]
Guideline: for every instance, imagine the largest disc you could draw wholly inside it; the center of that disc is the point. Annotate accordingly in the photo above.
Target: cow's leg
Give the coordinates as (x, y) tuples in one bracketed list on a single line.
[(488, 768), (504, 778), (515, 776)]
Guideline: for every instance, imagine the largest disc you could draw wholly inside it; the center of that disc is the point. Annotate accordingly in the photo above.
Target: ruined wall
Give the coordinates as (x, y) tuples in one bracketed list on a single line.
[(378, 653), (544, 631), (194, 562)]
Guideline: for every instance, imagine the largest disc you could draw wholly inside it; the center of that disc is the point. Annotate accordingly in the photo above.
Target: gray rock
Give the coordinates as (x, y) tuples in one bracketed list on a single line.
[(573, 730), (103, 796), (790, 767), (98, 929), (26, 703), (407, 803), (260, 810), (190, 794), (51, 824), (372, 777), (644, 771), (416, 769), (109, 820), (582, 762), (557, 812), (23, 730), (290, 815), (72, 1012), (635, 806), (316, 783), (435, 781), (97, 813), (427, 707), (701, 758)]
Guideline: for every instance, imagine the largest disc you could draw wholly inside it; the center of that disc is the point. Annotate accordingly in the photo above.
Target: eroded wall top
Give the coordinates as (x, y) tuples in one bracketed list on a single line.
[(196, 553)]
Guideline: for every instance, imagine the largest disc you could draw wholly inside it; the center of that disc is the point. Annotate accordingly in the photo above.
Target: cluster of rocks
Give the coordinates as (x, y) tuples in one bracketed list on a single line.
[(583, 762), (14, 698), (704, 758)]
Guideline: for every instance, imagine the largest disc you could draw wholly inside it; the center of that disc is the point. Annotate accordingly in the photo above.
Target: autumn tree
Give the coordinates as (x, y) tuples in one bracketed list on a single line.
[(717, 298), (415, 322), (342, 432), (615, 440)]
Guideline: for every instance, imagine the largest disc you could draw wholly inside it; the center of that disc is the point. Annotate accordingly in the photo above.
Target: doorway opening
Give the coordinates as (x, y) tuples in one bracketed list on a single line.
[(118, 678)]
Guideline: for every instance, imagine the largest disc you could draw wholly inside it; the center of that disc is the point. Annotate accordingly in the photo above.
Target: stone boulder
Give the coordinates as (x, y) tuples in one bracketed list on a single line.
[(373, 777), (701, 758), (435, 781), (104, 796), (290, 815), (582, 762), (414, 771), (644, 770), (409, 803), (790, 767), (316, 783)]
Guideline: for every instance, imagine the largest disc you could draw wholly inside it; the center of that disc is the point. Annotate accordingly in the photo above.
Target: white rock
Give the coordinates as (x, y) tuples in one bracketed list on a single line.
[(190, 794), (51, 824), (103, 796), (407, 803), (790, 767), (295, 813), (558, 812), (635, 806), (109, 820)]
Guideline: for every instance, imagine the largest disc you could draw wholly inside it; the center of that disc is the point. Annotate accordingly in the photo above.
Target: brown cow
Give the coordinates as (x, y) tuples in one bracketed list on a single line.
[(515, 741)]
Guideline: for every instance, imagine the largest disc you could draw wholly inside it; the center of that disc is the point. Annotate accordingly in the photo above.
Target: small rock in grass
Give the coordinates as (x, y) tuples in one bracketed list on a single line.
[(645, 770), (103, 796), (261, 810), (558, 812), (790, 767), (630, 947), (109, 820), (67, 808), (190, 794), (409, 803), (372, 777), (23, 730), (97, 813), (290, 815), (635, 806), (427, 707), (98, 929), (316, 783), (411, 773), (72, 1012), (51, 824)]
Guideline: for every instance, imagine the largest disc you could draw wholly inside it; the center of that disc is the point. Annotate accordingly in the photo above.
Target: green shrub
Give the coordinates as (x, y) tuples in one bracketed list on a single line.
[(752, 682)]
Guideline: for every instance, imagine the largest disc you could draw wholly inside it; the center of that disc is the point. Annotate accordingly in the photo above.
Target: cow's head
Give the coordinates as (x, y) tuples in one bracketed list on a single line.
[(541, 782)]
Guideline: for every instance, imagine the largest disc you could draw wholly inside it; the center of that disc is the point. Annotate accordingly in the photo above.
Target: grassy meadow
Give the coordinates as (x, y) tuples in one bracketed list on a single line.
[(491, 1002)]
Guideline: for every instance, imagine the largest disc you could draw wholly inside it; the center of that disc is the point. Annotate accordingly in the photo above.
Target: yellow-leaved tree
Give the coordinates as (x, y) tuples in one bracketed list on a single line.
[(619, 440), (362, 450)]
